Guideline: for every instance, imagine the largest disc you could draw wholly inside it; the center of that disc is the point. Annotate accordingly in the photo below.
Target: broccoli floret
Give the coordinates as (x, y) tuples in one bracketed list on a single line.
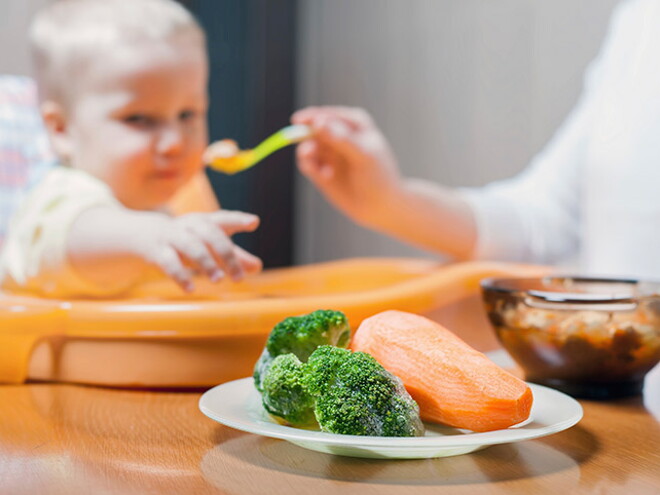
[(301, 335), (261, 367), (305, 375), (283, 394), (355, 395)]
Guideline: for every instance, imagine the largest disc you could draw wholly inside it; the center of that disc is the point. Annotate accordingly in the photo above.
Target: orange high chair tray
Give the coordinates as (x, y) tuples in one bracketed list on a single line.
[(167, 340)]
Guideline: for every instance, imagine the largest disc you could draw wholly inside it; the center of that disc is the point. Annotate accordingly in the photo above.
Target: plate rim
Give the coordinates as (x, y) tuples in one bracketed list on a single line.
[(512, 434)]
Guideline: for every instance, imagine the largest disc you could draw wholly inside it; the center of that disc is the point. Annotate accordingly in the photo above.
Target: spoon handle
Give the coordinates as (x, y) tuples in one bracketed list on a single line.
[(288, 135)]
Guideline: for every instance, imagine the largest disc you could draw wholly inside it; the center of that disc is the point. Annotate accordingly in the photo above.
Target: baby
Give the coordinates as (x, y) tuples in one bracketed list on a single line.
[(122, 85)]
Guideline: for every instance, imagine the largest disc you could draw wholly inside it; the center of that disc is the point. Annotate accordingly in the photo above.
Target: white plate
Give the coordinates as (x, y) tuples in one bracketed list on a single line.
[(237, 404)]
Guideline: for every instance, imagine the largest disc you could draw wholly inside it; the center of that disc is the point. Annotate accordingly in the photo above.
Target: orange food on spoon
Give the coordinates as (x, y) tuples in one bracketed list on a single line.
[(453, 383)]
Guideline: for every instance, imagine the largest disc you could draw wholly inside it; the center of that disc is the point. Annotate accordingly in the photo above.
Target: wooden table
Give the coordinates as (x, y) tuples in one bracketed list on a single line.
[(65, 439)]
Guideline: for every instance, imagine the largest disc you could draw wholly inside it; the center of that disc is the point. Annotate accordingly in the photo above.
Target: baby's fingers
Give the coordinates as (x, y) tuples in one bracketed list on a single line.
[(221, 247), (167, 259), (232, 222), (250, 263), (195, 251)]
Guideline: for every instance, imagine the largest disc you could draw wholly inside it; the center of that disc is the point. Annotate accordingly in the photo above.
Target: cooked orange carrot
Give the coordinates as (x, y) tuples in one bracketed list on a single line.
[(453, 383)]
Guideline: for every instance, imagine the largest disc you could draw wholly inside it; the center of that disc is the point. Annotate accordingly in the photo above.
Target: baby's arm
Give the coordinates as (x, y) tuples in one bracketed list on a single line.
[(107, 246), (351, 163)]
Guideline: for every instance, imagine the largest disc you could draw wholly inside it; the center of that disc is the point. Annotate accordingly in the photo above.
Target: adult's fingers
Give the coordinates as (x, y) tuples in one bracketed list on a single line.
[(334, 134), (305, 115), (313, 163), (354, 117), (344, 130), (308, 157)]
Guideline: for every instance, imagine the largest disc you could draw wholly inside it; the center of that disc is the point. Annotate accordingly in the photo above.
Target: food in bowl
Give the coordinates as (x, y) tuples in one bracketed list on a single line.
[(589, 337)]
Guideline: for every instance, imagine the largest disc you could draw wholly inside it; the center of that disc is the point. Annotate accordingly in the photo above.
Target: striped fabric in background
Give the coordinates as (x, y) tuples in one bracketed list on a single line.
[(25, 153)]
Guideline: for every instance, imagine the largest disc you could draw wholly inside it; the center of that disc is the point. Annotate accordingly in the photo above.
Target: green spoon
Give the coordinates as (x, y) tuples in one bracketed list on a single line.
[(225, 156)]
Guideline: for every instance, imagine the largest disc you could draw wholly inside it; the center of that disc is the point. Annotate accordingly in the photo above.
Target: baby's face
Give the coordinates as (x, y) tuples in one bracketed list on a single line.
[(138, 120)]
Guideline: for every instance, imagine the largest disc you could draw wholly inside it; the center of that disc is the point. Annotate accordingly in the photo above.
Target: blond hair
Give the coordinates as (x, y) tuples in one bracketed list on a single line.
[(68, 34)]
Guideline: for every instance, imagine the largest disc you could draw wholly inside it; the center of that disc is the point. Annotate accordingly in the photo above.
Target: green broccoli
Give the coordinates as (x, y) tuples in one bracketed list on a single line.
[(301, 335), (355, 395), (283, 393), (345, 392)]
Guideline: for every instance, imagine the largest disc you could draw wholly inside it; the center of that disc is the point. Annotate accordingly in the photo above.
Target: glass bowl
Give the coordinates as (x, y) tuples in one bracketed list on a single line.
[(589, 337)]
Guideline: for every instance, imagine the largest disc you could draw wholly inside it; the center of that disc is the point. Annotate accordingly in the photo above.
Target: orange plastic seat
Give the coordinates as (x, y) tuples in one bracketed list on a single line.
[(158, 338)]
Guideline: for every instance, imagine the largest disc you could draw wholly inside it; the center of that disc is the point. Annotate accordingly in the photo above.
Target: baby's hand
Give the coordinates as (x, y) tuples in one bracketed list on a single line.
[(201, 241), (349, 160)]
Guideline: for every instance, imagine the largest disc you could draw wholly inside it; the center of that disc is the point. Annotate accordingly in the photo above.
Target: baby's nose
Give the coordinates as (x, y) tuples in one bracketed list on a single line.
[(170, 139)]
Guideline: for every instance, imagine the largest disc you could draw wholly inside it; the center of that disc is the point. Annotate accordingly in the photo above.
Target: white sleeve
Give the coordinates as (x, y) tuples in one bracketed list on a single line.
[(535, 216), (34, 257)]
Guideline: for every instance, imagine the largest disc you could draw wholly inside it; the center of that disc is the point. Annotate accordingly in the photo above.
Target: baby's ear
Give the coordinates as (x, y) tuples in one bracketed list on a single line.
[(54, 116)]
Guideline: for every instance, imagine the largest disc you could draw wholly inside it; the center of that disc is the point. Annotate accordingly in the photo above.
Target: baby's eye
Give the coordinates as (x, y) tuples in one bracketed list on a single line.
[(187, 115), (139, 119)]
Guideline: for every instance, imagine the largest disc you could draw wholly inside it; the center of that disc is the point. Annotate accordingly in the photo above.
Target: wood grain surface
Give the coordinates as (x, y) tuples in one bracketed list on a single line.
[(67, 439)]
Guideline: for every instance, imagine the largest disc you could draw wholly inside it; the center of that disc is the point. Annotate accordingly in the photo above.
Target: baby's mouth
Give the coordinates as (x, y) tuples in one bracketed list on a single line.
[(166, 174)]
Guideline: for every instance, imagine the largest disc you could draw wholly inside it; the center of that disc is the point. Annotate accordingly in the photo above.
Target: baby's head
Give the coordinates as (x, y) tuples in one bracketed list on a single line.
[(123, 93)]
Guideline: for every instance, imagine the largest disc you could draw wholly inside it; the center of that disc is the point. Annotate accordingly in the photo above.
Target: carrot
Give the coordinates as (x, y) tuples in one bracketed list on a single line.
[(453, 383)]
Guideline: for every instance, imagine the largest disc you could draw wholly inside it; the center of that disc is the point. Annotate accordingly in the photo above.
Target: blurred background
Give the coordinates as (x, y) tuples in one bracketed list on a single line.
[(467, 91)]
